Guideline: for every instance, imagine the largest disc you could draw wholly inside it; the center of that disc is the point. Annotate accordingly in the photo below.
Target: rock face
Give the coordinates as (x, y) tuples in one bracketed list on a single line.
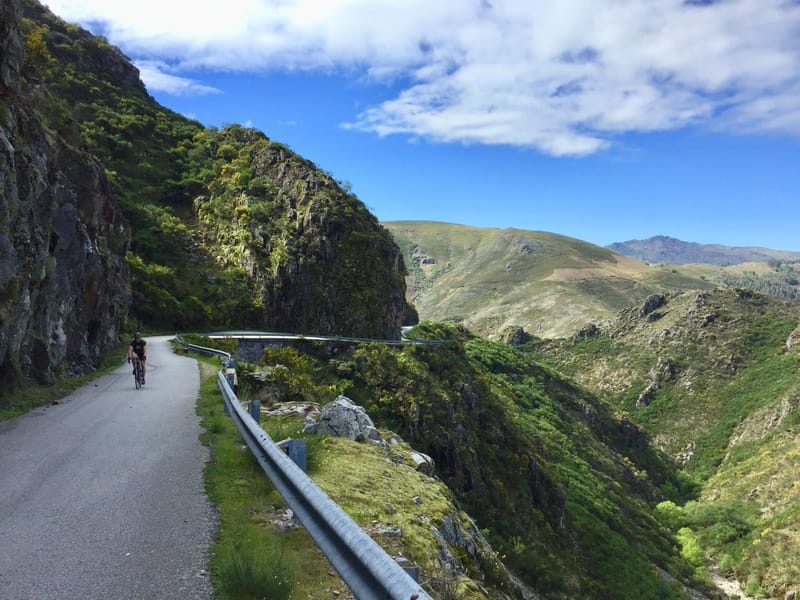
[(343, 418), (343, 273), (64, 283), (318, 259)]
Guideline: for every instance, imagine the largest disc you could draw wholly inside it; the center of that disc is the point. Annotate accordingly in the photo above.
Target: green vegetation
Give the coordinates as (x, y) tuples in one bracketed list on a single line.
[(247, 561), (725, 407), (783, 281), (229, 229), (253, 557), (563, 490)]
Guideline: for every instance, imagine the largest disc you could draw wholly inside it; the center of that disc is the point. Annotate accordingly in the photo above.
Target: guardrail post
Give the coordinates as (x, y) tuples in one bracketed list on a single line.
[(254, 408), (413, 572), (296, 449)]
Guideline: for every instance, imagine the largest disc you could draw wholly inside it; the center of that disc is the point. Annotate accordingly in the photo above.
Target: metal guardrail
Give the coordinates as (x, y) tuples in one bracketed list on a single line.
[(363, 565), (285, 337)]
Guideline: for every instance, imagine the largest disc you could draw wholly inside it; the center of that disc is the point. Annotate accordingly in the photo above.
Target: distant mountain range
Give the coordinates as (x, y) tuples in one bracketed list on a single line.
[(664, 249)]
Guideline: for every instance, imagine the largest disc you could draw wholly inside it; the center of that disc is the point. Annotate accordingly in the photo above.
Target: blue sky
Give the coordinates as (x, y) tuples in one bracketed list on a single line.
[(604, 121)]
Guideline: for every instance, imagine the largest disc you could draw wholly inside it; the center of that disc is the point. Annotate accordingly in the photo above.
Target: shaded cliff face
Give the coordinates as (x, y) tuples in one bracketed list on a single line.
[(64, 284), (342, 273), (320, 261)]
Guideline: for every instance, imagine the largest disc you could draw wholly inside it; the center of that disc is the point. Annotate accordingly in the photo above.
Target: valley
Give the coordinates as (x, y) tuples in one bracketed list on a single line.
[(613, 428)]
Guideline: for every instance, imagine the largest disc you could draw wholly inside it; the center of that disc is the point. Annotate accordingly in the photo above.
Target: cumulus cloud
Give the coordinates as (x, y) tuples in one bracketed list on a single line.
[(156, 76), (562, 76)]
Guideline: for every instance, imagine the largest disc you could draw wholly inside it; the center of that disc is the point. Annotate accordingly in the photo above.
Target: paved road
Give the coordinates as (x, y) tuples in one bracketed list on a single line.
[(102, 495)]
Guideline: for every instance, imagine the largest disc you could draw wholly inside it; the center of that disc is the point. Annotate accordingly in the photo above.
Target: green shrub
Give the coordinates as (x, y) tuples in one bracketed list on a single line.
[(690, 548), (726, 564), (670, 515)]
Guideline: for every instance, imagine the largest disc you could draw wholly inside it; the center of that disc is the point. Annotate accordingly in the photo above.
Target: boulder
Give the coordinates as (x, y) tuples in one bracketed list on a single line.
[(515, 336), (423, 462), (343, 418), (652, 303)]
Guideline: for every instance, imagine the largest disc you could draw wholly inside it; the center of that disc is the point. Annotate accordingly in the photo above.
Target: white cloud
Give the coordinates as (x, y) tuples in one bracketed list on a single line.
[(562, 76), (155, 76)]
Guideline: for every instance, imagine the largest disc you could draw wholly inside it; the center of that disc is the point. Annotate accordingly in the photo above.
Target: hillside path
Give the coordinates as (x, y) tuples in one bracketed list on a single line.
[(102, 495)]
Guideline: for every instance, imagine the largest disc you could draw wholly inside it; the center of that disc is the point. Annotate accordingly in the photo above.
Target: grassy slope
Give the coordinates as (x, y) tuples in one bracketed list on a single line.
[(564, 490), (489, 279), (253, 557), (727, 405)]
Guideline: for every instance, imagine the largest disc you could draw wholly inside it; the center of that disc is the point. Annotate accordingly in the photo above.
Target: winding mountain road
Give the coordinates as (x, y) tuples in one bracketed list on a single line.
[(102, 495)]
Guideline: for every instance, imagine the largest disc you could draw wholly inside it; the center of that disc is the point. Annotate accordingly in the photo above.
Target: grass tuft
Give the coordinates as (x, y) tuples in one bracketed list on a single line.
[(243, 574)]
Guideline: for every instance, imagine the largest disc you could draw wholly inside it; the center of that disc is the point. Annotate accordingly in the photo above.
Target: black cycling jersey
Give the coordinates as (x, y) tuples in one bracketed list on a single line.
[(138, 347)]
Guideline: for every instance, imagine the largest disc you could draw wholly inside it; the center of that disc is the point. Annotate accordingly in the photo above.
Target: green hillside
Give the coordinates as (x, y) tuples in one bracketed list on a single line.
[(714, 377), (229, 228), (563, 490), (551, 285)]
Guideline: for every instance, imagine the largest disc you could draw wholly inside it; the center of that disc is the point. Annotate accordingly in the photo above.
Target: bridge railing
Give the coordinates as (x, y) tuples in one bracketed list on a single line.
[(363, 565)]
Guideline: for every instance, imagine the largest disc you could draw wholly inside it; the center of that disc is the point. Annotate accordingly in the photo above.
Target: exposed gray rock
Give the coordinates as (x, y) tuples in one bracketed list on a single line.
[(652, 303), (458, 532), (11, 46), (589, 330), (446, 557), (423, 462), (343, 418), (515, 336), (64, 282), (646, 397)]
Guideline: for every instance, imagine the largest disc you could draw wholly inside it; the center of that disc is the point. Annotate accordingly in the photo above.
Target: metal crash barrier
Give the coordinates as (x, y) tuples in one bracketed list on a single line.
[(363, 565)]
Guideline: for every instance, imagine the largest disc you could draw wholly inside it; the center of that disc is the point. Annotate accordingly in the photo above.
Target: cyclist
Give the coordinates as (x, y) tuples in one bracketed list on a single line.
[(138, 347)]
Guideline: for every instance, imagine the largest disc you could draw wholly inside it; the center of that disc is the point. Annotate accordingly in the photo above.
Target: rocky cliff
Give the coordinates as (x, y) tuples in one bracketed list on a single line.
[(64, 283), (229, 228), (320, 262)]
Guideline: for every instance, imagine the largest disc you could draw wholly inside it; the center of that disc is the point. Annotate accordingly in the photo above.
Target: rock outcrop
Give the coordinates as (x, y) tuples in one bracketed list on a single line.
[(64, 283), (321, 263), (342, 418)]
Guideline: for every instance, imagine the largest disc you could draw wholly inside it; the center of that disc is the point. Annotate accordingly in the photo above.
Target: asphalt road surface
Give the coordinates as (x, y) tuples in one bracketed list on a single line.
[(102, 496)]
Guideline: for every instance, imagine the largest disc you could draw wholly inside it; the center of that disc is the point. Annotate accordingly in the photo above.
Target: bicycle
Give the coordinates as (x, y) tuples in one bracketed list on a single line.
[(138, 376)]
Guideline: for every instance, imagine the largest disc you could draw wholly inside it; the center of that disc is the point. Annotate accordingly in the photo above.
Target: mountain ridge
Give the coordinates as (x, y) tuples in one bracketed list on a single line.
[(489, 279), (665, 249)]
